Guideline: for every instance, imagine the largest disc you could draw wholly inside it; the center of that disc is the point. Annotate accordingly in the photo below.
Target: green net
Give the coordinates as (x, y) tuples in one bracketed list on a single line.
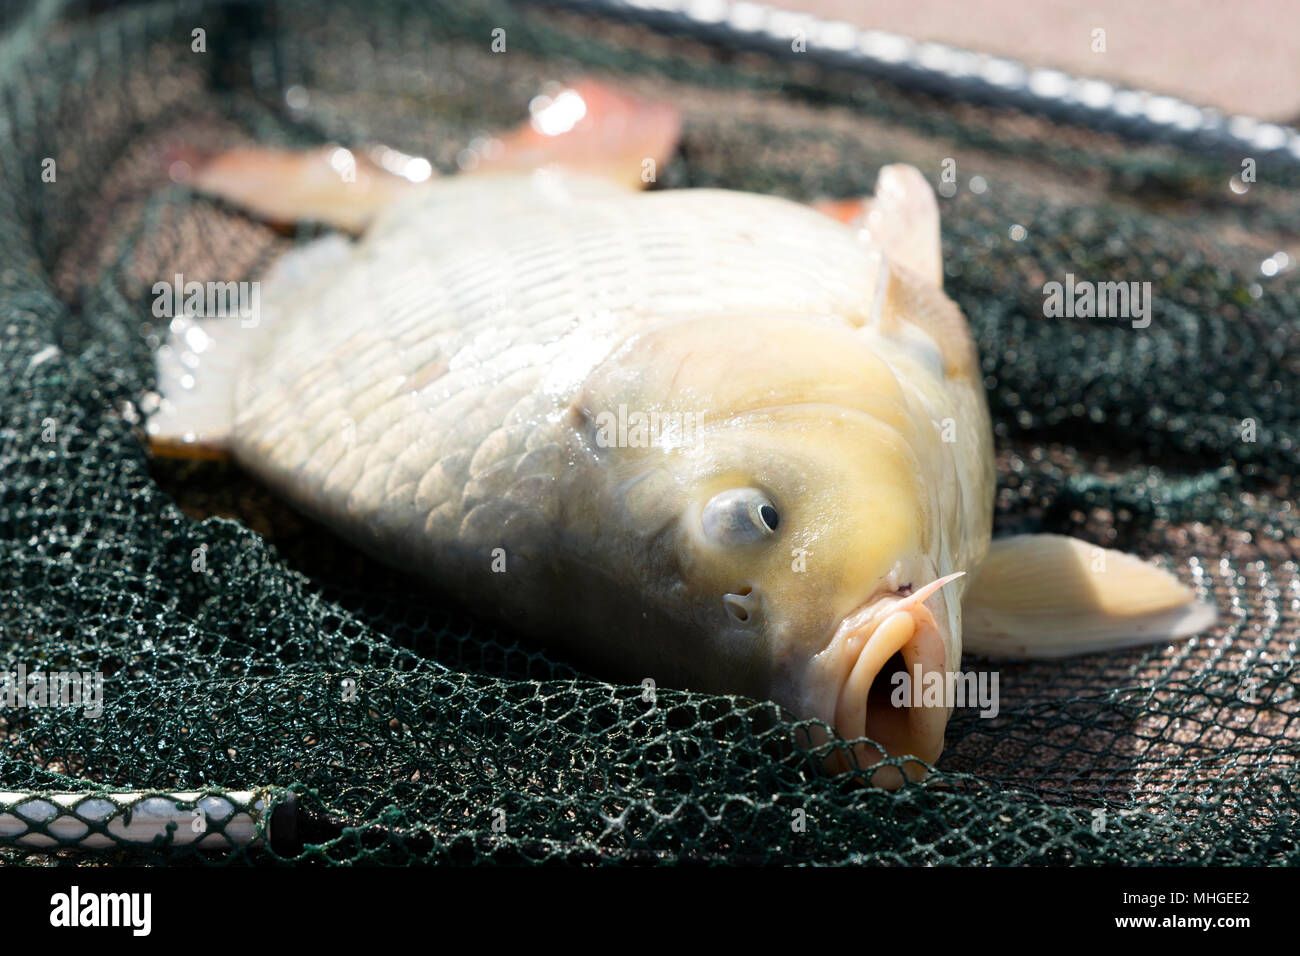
[(243, 647)]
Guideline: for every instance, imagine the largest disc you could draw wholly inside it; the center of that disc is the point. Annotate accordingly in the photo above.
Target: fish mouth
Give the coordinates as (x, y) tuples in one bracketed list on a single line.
[(876, 657)]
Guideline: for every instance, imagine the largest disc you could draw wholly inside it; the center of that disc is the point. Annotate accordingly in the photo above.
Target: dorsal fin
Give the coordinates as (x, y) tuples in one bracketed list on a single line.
[(593, 129), (589, 128)]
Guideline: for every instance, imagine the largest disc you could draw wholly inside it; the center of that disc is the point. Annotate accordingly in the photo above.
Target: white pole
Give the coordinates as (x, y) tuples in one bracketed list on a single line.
[(137, 818)]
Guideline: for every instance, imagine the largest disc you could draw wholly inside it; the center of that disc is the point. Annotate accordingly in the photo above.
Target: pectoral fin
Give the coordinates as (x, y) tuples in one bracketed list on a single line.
[(1044, 596), (901, 218)]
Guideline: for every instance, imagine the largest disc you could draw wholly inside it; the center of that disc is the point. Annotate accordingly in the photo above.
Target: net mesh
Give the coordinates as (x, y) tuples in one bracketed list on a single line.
[(243, 647)]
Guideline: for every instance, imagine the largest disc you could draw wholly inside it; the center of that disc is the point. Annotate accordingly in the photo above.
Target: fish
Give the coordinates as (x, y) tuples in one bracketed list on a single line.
[(712, 439)]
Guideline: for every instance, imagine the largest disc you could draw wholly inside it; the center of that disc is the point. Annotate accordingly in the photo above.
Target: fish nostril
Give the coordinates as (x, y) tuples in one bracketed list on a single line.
[(738, 605)]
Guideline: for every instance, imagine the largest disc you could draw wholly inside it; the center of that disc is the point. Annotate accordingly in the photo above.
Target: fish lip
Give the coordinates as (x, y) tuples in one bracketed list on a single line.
[(860, 650)]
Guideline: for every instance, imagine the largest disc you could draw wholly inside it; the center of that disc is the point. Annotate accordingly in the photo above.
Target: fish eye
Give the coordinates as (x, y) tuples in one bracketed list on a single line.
[(739, 516)]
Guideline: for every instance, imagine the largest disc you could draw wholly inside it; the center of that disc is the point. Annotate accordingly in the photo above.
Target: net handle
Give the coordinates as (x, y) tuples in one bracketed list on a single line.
[(145, 819)]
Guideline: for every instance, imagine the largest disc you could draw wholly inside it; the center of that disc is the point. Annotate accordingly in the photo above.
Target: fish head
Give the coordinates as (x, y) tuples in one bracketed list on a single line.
[(798, 524), (807, 532)]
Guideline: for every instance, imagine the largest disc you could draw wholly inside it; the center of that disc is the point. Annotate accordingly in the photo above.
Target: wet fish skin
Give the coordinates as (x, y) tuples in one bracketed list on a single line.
[(432, 423)]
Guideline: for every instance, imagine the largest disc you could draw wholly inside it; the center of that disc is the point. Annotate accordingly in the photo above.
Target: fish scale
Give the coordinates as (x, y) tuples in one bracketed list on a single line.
[(417, 293)]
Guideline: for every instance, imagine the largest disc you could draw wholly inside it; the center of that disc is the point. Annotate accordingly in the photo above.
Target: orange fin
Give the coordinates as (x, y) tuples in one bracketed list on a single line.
[(590, 128), (330, 184), (851, 212)]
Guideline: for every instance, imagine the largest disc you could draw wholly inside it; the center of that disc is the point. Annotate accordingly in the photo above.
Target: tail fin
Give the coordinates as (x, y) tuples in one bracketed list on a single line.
[(1045, 596), (196, 388), (201, 361)]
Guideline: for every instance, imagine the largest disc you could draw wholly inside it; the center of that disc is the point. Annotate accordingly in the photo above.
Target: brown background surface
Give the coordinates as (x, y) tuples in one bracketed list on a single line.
[(1241, 56)]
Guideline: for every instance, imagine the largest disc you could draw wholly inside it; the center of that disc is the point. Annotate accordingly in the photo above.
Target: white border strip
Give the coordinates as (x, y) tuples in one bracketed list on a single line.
[(961, 74)]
